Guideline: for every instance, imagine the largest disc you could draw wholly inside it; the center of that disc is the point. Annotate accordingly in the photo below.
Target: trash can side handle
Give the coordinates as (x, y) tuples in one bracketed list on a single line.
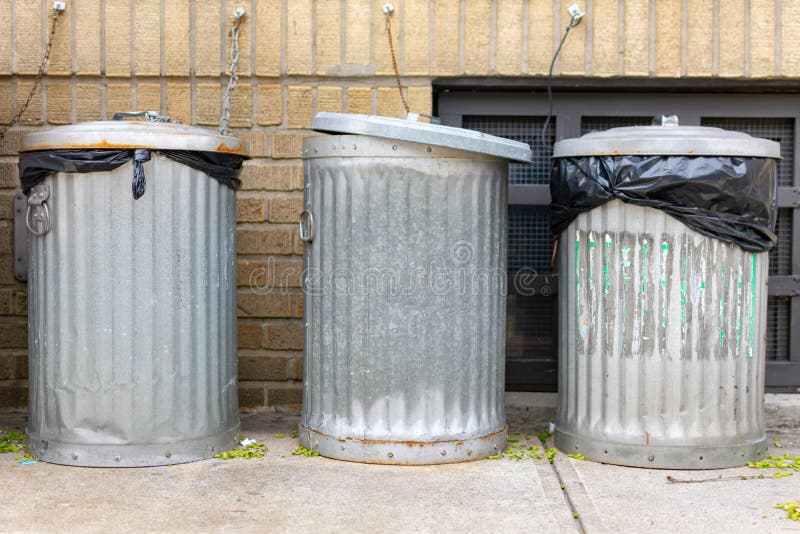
[(306, 226)]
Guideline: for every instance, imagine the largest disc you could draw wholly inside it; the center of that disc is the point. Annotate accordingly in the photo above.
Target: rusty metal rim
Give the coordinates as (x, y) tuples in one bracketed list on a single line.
[(131, 455), (402, 452), (687, 456)]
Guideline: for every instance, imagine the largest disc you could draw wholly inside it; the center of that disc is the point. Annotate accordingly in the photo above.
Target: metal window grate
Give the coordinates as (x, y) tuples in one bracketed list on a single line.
[(777, 129), (524, 129), (599, 124), (780, 257), (529, 327), (778, 325), (530, 243)]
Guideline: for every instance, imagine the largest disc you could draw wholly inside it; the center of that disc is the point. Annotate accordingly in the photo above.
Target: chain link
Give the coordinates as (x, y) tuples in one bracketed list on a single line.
[(224, 121), (36, 81), (394, 58)]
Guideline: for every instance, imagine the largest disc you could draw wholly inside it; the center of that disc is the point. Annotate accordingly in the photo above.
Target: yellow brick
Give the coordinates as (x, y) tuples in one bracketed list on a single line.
[(118, 98), (179, 102), (359, 100), (259, 143), (118, 37), (329, 99), (250, 209), (34, 113), (176, 36), (790, 38), (207, 40), (87, 37), (357, 32), (762, 38), (383, 55), (668, 38), (59, 102), (242, 106), (298, 37), (329, 35), (476, 45), (540, 36), (288, 145), (271, 177), (731, 38), (270, 108), (445, 37), (508, 59), (29, 40), (417, 42), (420, 100), (699, 44), (87, 102), (5, 43), (209, 107), (5, 102), (147, 37), (299, 107), (389, 103), (60, 61), (605, 45), (285, 209), (637, 37), (148, 97), (268, 35)]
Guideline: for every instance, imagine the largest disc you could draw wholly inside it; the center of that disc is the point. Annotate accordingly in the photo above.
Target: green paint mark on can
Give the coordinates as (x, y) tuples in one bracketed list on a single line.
[(752, 303)]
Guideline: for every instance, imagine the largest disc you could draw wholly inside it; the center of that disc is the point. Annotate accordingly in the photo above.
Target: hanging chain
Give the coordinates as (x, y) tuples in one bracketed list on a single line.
[(388, 9), (39, 75), (225, 120)]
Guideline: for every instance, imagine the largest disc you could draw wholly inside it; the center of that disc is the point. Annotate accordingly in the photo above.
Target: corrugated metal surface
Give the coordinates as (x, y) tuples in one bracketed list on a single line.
[(132, 309), (663, 329), (404, 302)]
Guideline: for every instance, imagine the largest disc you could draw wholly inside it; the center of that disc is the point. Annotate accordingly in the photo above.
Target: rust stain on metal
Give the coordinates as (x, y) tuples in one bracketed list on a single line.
[(99, 144), (222, 147)]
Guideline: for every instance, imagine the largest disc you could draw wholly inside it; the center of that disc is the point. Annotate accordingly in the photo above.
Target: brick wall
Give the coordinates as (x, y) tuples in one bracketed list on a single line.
[(303, 56)]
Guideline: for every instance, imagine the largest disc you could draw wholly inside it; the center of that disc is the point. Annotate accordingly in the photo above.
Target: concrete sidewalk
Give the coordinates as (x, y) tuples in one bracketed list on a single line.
[(282, 492)]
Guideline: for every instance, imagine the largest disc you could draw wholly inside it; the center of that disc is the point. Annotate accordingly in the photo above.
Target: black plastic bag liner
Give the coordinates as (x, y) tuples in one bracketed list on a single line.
[(730, 198), (35, 166)]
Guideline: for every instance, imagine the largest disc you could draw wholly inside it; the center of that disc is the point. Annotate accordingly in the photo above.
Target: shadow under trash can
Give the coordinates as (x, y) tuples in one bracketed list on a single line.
[(132, 301), (404, 290), (663, 239)]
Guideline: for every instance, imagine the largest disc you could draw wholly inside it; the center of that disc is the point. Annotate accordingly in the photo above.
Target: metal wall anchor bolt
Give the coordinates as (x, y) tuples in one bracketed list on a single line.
[(444, 452), (391, 455), (651, 458), (388, 9), (74, 455), (117, 459)]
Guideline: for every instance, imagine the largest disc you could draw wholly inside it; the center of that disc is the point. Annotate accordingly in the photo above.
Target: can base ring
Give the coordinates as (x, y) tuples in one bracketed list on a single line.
[(134, 455), (660, 457), (404, 452)]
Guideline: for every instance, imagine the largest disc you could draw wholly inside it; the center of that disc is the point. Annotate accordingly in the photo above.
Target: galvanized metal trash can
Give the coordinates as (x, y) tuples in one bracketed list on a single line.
[(404, 304), (132, 302), (662, 345)]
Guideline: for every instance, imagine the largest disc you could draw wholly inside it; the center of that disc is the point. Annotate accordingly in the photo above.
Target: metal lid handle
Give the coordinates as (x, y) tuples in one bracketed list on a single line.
[(149, 116)]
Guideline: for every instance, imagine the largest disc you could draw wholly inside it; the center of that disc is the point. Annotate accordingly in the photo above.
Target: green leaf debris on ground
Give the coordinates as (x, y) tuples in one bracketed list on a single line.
[(783, 462), (302, 451), (519, 450), (577, 456), (792, 509), (247, 448), (11, 441)]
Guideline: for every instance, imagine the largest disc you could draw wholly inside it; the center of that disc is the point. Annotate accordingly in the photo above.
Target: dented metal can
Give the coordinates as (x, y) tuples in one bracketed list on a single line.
[(661, 362), (132, 311), (404, 300)]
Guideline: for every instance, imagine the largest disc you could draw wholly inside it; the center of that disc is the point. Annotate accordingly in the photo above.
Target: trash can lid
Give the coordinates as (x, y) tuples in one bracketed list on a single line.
[(421, 132), (667, 139), (133, 134)]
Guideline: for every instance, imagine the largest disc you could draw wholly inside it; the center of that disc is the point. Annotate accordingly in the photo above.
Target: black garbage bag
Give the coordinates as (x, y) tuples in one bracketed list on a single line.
[(733, 199), (35, 166)]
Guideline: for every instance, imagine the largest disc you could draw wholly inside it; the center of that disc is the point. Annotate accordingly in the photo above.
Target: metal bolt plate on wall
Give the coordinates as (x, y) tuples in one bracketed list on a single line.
[(20, 238)]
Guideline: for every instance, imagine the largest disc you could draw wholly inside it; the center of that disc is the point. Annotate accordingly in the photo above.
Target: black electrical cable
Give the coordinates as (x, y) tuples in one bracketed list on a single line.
[(574, 21)]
